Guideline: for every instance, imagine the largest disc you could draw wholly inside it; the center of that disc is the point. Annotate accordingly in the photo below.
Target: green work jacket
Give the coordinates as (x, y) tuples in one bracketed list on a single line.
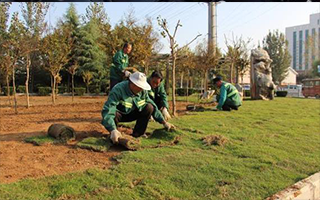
[(159, 94), (121, 99), (120, 61), (230, 94)]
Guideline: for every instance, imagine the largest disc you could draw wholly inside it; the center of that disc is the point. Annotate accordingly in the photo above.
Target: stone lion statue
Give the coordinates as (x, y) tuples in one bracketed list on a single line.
[(262, 86)]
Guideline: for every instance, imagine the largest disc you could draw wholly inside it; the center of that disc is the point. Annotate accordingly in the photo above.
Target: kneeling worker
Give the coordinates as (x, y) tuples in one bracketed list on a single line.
[(229, 97), (129, 101), (158, 93)]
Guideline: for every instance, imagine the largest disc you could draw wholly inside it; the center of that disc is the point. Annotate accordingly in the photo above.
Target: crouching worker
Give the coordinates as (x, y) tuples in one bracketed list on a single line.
[(158, 93), (229, 97), (129, 101)]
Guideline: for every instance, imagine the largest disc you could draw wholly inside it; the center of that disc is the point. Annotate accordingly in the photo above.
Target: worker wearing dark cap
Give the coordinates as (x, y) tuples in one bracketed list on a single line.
[(229, 96)]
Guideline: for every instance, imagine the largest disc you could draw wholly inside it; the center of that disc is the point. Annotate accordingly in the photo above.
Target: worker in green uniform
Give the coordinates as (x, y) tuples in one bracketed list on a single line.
[(129, 101), (229, 97), (120, 62), (158, 93)]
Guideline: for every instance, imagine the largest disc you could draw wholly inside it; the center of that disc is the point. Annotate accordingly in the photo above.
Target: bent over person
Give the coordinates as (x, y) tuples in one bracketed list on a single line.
[(229, 97), (120, 62), (158, 93), (129, 101)]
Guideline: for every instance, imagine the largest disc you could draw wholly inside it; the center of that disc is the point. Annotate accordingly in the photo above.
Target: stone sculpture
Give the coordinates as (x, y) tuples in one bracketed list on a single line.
[(262, 86)]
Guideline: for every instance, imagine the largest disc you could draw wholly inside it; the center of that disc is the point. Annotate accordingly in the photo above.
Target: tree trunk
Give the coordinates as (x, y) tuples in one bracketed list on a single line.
[(237, 76), (173, 84), (206, 80), (181, 79), (68, 87), (87, 85), (53, 88), (188, 75), (14, 91), (231, 73), (8, 88), (72, 82), (191, 80), (167, 80), (27, 80)]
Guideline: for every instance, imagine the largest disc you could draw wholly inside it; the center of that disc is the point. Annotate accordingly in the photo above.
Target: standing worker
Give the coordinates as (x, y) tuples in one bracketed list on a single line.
[(129, 101), (120, 62), (229, 97), (158, 93)]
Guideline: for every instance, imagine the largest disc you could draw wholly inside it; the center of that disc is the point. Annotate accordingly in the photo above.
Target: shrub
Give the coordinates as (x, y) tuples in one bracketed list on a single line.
[(247, 93), (4, 89), (183, 91), (44, 91), (94, 89), (79, 91), (62, 89), (22, 89), (281, 93)]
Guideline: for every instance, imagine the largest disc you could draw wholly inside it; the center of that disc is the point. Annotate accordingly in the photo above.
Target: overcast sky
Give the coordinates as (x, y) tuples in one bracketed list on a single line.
[(249, 20)]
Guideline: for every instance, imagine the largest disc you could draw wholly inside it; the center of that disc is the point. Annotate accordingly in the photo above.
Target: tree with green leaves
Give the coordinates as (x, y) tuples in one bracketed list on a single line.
[(315, 68), (57, 46), (34, 17), (5, 61), (18, 48), (276, 45), (71, 21)]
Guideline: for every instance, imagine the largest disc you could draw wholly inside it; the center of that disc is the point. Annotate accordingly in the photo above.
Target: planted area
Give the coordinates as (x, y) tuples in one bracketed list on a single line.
[(267, 146)]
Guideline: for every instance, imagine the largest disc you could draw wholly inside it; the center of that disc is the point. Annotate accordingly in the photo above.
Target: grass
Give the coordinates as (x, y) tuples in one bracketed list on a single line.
[(41, 140), (271, 145), (95, 144)]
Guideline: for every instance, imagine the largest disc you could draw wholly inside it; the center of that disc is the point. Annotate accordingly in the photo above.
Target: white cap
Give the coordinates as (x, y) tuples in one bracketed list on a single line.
[(140, 80)]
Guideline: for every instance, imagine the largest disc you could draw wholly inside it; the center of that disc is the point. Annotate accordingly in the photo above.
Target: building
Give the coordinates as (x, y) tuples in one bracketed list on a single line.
[(298, 37), (290, 79)]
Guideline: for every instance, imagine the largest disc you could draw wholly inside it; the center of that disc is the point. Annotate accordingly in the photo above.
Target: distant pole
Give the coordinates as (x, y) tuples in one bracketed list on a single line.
[(212, 27), (212, 34)]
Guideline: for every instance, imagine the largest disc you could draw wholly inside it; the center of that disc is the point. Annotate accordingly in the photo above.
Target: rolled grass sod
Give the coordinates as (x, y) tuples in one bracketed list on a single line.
[(61, 132)]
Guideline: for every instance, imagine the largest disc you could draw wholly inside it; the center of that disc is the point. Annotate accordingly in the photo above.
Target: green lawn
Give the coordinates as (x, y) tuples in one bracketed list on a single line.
[(270, 145)]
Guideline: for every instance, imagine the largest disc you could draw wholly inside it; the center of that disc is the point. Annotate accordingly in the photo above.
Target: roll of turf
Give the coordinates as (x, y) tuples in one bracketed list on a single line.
[(61, 132)]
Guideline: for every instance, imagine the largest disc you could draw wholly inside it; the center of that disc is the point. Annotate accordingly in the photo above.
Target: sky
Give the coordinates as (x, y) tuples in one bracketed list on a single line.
[(240, 19)]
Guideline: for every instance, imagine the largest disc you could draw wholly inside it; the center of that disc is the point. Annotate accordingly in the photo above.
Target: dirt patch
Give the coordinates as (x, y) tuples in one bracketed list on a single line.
[(21, 160), (218, 140)]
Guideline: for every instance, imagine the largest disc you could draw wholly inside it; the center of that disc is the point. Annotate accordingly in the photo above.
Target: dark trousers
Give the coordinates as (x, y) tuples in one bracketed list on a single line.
[(113, 82), (159, 104), (141, 117), (227, 106)]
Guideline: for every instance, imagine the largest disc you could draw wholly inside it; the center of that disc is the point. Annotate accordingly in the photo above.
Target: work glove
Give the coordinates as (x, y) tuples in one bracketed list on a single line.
[(169, 126), (166, 114), (127, 73), (152, 119), (115, 135)]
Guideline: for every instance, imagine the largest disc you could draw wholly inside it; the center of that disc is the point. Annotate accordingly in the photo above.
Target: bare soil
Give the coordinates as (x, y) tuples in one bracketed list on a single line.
[(19, 160)]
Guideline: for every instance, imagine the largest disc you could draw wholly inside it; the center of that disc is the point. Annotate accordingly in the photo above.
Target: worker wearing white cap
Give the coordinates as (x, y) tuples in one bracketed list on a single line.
[(129, 101)]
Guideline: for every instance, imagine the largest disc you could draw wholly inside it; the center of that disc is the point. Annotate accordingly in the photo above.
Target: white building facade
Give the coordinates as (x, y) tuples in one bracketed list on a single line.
[(297, 37)]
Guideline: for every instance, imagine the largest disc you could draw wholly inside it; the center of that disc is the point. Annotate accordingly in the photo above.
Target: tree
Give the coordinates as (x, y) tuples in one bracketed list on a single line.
[(174, 49), (237, 58), (277, 47), (57, 46), (71, 21), (5, 67), (206, 60), (17, 48), (87, 77), (34, 17), (310, 52), (315, 68)]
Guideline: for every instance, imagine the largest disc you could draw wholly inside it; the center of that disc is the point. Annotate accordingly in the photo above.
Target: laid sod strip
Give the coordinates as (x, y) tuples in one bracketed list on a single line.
[(61, 132), (41, 140), (161, 138), (95, 144), (129, 142), (218, 140)]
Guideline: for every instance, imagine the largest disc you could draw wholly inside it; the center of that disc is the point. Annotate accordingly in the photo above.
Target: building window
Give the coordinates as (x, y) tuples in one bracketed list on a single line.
[(300, 49), (294, 61)]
